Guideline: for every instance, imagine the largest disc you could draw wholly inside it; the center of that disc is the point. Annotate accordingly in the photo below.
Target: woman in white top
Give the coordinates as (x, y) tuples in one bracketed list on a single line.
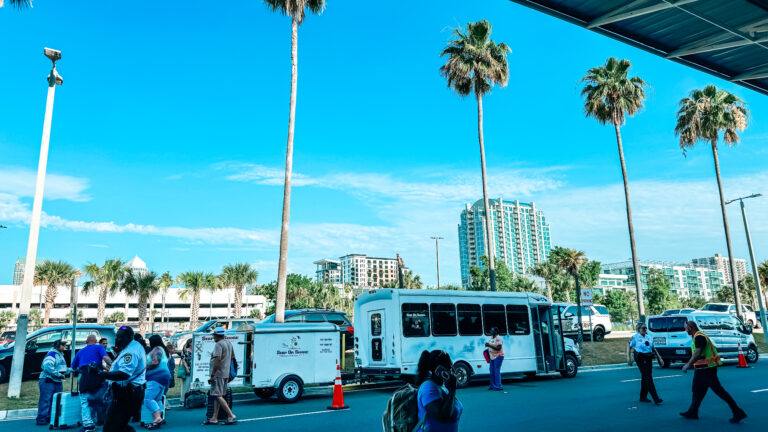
[(642, 343), (497, 357)]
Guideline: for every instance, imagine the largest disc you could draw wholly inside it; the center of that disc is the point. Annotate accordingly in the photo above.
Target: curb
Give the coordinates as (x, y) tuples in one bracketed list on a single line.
[(18, 414)]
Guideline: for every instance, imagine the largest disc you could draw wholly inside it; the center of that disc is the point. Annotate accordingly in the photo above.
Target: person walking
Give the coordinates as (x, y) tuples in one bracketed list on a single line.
[(221, 358), (642, 343), (185, 369), (92, 387), (439, 410), (171, 368), (128, 377), (54, 370), (110, 353), (497, 358), (705, 362), (158, 376)]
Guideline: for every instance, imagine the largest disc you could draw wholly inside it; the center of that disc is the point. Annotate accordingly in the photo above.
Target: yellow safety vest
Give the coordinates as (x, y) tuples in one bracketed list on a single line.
[(709, 353)]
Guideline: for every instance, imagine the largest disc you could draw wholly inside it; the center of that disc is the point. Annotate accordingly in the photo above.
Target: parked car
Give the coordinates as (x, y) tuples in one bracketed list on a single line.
[(179, 339), (7, 336), (601, 320), (726, 331), (678, 311), (320, 315), (41, 341), (746, 311)]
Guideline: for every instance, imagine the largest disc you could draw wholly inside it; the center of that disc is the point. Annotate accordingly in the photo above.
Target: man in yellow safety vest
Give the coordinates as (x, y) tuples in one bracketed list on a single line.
[(705, 361)]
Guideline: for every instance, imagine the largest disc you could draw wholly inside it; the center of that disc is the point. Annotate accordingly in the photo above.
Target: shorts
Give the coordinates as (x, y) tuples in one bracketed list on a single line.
[(219, 386)]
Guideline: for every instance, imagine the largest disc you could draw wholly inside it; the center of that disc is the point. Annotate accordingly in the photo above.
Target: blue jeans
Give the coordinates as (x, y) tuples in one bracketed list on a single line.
[(92, 407), (47, 390), (495, 367), (153, 396)]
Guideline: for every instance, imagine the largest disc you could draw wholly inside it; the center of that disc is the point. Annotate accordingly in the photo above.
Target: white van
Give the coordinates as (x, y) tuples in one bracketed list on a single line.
[(597, 315), (394, 326), (725, 330)]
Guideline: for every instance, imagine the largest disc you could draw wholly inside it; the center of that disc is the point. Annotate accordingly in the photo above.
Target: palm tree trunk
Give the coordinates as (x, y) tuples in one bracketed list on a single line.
[(578, 310), (631, 226), (549, 289), (489, 232), (238, 301), (102, 306), (731, 259), (282, 266), (150, 315), (195, 310), (50, 298), (142, 315)]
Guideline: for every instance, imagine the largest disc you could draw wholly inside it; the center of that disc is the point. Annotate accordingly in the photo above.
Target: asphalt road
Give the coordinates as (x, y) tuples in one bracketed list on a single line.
[(595, 400)]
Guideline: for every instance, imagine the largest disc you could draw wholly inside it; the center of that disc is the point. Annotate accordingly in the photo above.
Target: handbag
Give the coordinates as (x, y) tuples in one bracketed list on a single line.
[(487, 355), (181, 372)]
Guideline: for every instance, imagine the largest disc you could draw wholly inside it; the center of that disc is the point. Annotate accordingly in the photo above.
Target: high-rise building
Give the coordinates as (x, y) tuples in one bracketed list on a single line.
[(363, 271), (18, 269), (685, 279), (520, 236), (328, 271), (724, 265)]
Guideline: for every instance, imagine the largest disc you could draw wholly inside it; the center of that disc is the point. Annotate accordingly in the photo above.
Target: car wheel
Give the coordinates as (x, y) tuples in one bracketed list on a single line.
[(290, 389), (265, 393), (571, 366), (598, 335), (463, 375), (3, 374), (752, 355)]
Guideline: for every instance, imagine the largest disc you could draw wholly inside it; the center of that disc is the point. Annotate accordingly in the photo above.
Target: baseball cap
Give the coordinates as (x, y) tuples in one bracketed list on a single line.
[(219, 331)]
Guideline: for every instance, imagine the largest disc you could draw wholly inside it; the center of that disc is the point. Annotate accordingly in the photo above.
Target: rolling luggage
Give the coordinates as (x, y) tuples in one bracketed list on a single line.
[(222, 413), (65, 409), (146, 416), (195, 399)]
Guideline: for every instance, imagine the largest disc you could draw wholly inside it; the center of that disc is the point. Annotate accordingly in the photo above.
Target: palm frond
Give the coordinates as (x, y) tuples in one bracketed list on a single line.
[(610, 94)]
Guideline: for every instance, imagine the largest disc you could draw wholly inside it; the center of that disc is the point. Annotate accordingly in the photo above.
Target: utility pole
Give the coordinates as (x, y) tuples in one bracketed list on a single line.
[(437, 254), (17, 366)]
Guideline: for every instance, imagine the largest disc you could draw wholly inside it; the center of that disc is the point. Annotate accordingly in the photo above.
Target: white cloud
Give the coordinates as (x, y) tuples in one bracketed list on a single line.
[(21, 182)]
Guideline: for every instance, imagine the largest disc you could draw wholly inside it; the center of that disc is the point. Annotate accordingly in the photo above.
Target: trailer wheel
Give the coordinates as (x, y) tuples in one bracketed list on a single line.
[(571, 366), (290, 389), (463, 374), (265, 393)]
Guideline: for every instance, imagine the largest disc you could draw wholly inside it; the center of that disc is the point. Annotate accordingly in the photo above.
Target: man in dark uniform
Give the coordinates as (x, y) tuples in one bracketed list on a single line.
[(127, 376)]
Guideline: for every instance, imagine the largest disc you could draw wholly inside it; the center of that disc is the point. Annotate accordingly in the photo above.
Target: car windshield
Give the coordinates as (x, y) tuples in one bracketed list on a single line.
[(667, 324), (715, 307)]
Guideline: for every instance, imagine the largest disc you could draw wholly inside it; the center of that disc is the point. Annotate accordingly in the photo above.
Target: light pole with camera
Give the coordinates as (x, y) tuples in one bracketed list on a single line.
[(19, 349)]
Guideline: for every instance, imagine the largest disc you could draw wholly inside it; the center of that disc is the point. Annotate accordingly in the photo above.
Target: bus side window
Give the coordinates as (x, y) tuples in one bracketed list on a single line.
[(470, 320), (415, 320), (443, 319), (493, 316), (517, 318)]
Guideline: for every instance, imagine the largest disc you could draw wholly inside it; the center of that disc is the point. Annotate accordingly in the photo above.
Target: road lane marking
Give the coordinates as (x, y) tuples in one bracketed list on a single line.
[(758, 391), (605, 369), (660, 377), (284, 416)]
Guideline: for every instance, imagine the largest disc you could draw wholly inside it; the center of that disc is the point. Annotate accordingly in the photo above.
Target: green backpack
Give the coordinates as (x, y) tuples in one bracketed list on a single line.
[(402, 413)]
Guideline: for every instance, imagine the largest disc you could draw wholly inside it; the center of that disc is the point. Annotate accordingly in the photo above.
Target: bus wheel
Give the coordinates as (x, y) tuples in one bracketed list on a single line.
[(265, 393), (463, 374), (571, 366)]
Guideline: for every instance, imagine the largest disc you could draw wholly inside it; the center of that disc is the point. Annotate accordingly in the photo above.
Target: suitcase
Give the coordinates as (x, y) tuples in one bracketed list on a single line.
[(195, 399), (222, 413), (65, 409), (146, 416)]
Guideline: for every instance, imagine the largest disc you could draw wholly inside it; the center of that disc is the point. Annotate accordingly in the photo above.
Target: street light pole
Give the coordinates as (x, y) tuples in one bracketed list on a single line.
[(437, 253), (754, 263), (17, 366)]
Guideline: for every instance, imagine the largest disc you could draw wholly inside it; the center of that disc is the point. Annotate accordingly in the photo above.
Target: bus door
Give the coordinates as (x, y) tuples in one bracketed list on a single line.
[(376, 328), (553, 337), (538, 342)]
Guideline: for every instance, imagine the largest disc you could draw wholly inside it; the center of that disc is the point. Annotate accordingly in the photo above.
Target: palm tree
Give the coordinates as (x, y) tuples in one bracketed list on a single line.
[(106, 278), (143, 286), (238, 276), (212, 283), (547, 271), (571, 261), (20, 4), (475, 63), (194, 283), (164, 282), (701, 117), (52, 274), (609, 96), (296, 9)]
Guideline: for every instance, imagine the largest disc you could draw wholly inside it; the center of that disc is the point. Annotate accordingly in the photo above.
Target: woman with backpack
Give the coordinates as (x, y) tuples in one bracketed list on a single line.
[(439, 410), (158, 377)]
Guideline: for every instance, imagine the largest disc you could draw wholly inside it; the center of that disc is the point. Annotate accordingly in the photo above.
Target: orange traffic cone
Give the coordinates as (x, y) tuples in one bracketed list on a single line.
[(742, 359), (338, 393)]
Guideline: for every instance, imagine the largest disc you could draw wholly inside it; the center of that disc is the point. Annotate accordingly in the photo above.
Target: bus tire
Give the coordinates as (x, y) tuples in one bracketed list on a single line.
[(265, 393), (290, 389), (571, 366), (599, 334), (463, 374)]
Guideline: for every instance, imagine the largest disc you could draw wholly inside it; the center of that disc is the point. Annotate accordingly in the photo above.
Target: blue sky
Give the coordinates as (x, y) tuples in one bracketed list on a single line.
[(169, 136)]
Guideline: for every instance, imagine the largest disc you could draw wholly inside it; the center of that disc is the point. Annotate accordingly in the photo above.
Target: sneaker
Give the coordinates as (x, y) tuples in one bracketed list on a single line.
[(738, 416), (659, 401), (690, 415), (645, 400)]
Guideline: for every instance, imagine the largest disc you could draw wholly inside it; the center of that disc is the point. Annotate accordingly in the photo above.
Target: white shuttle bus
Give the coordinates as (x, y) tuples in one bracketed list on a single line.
[(393, 327)]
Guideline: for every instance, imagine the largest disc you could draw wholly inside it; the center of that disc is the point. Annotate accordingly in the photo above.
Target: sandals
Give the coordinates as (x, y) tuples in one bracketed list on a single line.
[(210, 423), (229, 422)]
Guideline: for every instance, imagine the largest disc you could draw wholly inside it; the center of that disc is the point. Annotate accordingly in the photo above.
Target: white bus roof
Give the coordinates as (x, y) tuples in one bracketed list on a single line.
[(388, 293)]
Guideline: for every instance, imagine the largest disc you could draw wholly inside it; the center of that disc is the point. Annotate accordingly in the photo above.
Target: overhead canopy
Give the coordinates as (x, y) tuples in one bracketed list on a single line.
[(725, 38)]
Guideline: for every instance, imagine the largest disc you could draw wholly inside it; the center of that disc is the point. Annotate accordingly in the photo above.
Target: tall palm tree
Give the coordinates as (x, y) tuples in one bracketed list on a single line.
[(143, 286), (194, 283), (53, 274), (164, 282), (212, 283), (237, 276), (546, 270), (106, 278), (475, 64), (610, 95), (296, 9), (701, 117), (571, 261), (20, 4)]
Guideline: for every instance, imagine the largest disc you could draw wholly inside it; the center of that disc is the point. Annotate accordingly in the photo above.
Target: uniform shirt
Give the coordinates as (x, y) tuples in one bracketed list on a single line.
[(642, 344), (495, 341), (54, 366), (90, 354), (133, 361)]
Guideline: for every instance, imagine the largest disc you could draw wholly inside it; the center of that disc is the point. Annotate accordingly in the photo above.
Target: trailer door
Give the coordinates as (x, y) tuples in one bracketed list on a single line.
[(376, 329)]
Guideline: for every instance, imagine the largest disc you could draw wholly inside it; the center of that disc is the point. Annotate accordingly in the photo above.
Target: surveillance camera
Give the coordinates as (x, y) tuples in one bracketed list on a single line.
[(52, 54)]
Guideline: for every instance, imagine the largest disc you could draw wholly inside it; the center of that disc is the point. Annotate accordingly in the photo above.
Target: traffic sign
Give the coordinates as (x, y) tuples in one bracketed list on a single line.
[(586, 297)]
